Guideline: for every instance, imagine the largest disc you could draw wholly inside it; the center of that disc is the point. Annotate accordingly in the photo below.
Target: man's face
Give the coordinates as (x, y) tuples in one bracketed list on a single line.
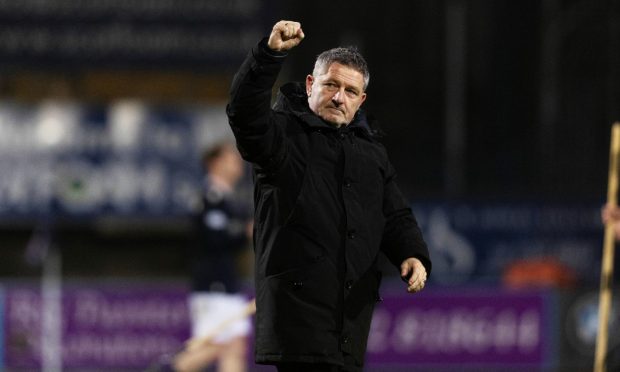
[(227, 165), (336, 94)]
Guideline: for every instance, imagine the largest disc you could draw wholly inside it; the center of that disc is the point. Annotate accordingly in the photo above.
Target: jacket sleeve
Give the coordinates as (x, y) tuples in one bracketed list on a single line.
[(402, 237), (259, 139)]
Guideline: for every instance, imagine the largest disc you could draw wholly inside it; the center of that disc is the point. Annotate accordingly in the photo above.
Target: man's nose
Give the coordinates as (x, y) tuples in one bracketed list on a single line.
[(337, 98)]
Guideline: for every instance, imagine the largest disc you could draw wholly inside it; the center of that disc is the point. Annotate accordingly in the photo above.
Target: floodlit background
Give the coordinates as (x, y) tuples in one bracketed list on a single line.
[(497, 117)]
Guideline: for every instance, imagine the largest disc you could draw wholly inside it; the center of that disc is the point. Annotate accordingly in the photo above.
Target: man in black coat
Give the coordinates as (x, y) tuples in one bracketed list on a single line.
[(326, 203)]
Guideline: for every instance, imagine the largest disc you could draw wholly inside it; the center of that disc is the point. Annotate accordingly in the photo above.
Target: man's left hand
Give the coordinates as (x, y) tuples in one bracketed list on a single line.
[(414, 274)]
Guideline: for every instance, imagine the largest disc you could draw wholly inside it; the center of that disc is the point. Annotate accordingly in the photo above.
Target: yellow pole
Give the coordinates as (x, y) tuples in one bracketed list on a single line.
[(604, 305)]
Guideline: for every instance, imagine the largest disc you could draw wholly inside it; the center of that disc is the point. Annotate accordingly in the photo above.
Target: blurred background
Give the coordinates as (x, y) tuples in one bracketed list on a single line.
[(497, 117)]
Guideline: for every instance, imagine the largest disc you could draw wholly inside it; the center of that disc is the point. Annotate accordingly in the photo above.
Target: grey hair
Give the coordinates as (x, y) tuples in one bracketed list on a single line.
[(348, 56)]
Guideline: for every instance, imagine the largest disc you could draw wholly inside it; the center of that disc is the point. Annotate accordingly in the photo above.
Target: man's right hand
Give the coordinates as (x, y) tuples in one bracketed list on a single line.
[(285, 35)]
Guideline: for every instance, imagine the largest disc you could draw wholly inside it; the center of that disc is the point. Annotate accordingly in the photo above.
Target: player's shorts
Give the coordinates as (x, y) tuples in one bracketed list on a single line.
[(209, 311)]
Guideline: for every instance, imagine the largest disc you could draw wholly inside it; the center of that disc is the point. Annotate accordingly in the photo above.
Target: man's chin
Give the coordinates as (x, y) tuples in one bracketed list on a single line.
[(335, 120)]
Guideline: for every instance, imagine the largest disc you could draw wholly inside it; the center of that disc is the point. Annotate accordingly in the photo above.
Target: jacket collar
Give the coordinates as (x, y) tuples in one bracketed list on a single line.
[(292, 99)]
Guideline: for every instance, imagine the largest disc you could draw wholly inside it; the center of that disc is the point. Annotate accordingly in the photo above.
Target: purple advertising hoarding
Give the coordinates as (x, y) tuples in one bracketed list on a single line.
[(450, 327), (130, 327), (1, 329), (103, 327)]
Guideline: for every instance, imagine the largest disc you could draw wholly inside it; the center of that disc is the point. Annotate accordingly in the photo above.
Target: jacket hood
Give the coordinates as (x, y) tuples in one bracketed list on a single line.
[(292, 98)]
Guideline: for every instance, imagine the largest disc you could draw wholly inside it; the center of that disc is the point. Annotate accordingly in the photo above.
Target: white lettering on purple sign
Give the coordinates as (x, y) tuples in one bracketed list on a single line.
[(455, 331)]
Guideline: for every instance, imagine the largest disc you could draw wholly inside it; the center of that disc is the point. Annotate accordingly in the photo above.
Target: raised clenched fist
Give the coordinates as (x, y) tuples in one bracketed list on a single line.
[(285, 35)]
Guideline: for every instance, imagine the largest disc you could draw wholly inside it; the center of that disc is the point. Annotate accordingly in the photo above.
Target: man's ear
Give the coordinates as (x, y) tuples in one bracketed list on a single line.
[(309, 82)]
